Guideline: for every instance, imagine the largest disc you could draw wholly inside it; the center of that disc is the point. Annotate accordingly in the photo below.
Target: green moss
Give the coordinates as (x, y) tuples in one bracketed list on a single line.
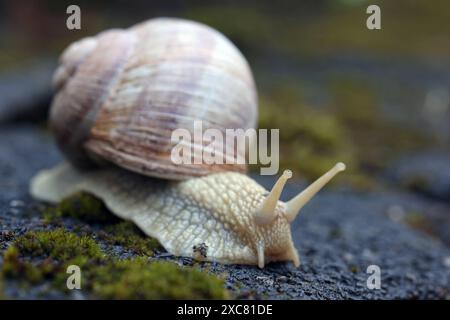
[(15, 267), (81, 206), (129, 236), (139, 279), (57, 244), (54, 250), (39, 255)]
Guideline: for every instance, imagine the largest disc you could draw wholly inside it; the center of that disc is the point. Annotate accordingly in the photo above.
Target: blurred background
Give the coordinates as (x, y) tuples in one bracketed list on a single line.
[(377, 99)]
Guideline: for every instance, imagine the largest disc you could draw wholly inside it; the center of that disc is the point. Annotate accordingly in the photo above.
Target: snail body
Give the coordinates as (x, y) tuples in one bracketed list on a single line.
[(119, 96), (238, 220)]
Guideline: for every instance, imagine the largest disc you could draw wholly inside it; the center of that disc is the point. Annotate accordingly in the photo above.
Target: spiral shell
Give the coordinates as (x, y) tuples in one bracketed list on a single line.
[(121, 94)]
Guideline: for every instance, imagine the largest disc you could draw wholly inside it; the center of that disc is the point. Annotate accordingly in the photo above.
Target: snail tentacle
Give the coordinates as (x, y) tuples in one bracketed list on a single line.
[(294, 205), (266, 213)]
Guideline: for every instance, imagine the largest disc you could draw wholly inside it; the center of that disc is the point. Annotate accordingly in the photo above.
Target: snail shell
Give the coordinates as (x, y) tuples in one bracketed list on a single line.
[(121, 94)]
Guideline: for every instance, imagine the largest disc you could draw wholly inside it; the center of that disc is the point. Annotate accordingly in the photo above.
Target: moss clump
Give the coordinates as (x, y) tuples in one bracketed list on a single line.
[(139, 279), (55, 249), (58, 244), (39, 255), (129, 236), (82, 206), (15, 267)]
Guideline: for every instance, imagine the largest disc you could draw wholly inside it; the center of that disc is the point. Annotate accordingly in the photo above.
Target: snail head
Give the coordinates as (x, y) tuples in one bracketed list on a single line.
[(273, 218)]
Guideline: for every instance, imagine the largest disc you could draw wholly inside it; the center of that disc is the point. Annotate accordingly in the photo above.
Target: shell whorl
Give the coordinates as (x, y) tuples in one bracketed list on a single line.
[(121, 93)]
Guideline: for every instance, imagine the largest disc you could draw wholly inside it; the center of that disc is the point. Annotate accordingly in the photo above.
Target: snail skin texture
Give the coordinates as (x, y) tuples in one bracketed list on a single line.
[(118, 97)]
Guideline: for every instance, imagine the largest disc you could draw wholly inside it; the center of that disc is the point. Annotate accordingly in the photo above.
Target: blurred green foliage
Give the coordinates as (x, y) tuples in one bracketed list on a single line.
[(334, 27), (376, 140), (311, 140), (414, 29)]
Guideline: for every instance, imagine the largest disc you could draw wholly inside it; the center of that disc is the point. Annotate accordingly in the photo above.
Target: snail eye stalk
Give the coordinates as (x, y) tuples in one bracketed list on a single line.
[(294, 205), (266, 213)]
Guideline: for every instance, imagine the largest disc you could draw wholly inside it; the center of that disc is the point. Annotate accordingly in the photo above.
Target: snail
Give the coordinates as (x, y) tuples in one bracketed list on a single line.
[(120, 94)]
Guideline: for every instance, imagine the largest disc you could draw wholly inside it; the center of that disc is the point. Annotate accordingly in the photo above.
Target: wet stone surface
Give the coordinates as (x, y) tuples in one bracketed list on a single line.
[(427, 173), (338, 235)]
